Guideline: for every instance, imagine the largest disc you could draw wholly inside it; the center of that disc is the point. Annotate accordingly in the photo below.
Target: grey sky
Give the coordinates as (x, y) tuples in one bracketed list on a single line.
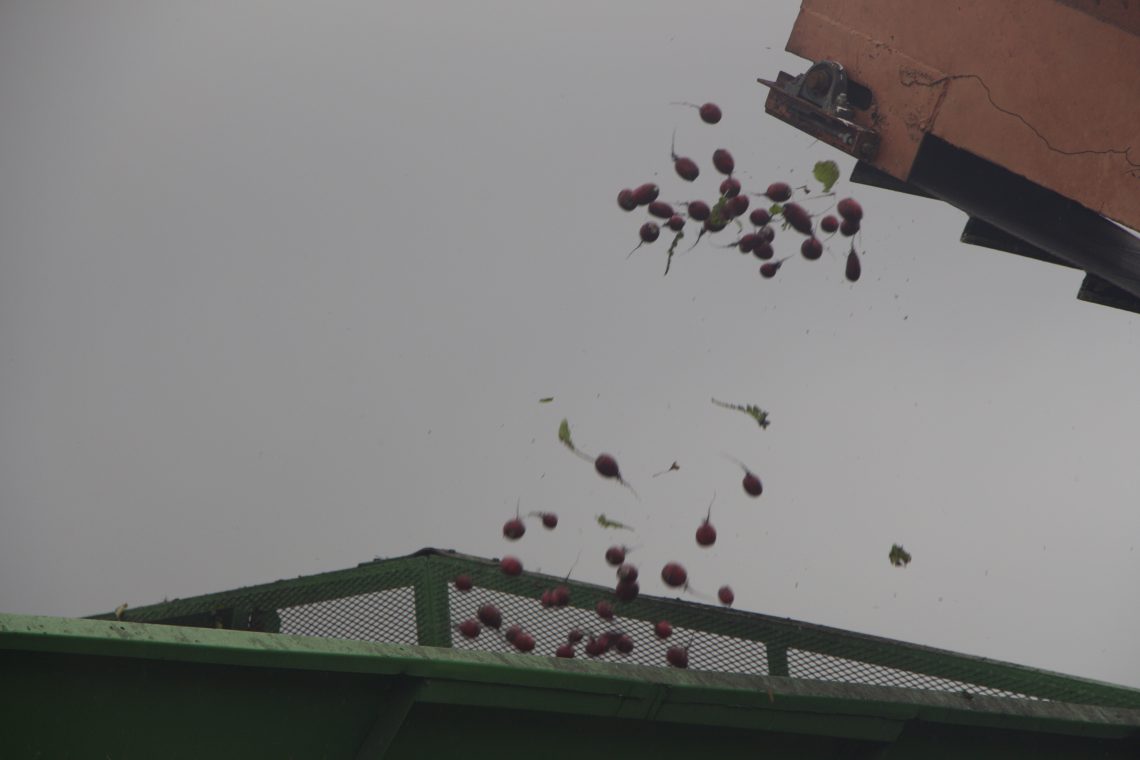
[(281, 284)]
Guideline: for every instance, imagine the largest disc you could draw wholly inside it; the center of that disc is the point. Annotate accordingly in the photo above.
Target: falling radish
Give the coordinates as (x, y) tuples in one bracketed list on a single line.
[(752, 485), (854, 268), (723, 161), (706, 533), (674, 575), (725, 595), (463, 582)]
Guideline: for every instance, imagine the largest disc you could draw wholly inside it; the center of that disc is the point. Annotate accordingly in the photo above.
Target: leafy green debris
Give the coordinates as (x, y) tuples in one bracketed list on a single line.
[(826, 173), (606, 523), (564, 434), (754, 412), (899, 556)]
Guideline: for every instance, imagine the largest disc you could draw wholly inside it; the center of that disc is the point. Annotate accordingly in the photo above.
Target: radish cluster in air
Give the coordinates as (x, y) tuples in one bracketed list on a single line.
[(732, 203)]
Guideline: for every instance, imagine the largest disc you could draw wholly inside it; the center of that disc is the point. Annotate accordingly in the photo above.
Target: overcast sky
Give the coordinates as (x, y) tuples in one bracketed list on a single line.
[(282, 284)]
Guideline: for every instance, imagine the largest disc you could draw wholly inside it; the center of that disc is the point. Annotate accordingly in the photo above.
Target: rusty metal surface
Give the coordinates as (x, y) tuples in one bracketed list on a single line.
[(1040, 87)]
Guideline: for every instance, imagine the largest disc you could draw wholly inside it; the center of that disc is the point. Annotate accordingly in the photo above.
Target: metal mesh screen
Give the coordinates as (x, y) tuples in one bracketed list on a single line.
[(412, 600)]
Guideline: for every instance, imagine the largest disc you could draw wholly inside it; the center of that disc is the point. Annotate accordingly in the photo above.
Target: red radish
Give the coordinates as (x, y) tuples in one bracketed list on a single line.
[(777, 191), (676, 222), (686, 168), (854, 268), (649, 232), (797, 216), (524, 642), (490, 616), (560, 596), (759, 217), (767, 233), (511, 565), (470, 628), (730, 188), (595, 647), (768, 269), (674, 575), (606, 465), (645, 194), (710, 113), (737, 205), (723, 161), (699, 211), (547, 600), (604, 609), (706, 533), (513, 633), (627, 573), (626, 200), (627, 591), (712, 225), (660, 209), (575, 635), (752, 484), (625, 643), (850, 209), (607, 640), (848, 227), (747, 242), (811, 248), (514, 529), (615, 555), (565, 651), (549, 520), (678, 657), (725, 595), (829, 223), (663, 629), (463, 582), (763, 250)]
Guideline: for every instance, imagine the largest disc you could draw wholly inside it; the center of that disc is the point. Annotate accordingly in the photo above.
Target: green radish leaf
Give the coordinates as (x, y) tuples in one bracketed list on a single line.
[(826, 173), (564, 434)]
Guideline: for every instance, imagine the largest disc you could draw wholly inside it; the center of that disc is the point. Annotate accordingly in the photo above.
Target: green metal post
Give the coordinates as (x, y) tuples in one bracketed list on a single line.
[(433, 626)]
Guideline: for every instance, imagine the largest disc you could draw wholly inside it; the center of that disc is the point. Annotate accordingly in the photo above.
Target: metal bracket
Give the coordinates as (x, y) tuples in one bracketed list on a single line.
[(818, 102)]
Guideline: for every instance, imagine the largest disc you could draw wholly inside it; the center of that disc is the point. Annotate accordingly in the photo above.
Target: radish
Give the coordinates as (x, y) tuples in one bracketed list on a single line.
[(768, 270), (725, 595), (514, 529), (546, 599), (463, 582), (565, 651), (854, 268), (490, 616), (763, 250), (645, 194), (829, 224), (604, 609), (575, 635), (759, 217), (767, 233), (470, 628), (626, 200), (624, 643), (678, 657), (627, 573), (777, 191), (674, 575), (710, 113), (798, 217), (723, 161), (747, 242), (686, 168), (676, 222), (736, 205), (660, 209), (615, 555), (811, 249), (560, 596), (607, 466), (649, 232), (663, 629), (511, 565), (595, 648), (730, 188), (752, 485), (850, 209), (524, 642), (706, 533), (549, 520), (513, 633), (627, 591), (699, 211), (848, 227)]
